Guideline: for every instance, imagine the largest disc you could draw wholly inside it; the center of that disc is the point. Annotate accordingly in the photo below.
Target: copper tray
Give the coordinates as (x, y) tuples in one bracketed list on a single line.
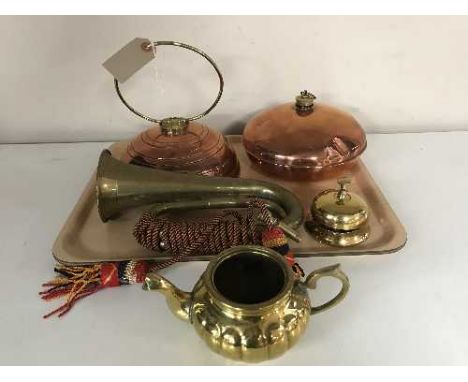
[(85, 239)]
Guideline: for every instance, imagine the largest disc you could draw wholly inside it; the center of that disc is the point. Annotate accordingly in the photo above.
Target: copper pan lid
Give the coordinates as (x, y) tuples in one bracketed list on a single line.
[(197, 149), (303, 136)]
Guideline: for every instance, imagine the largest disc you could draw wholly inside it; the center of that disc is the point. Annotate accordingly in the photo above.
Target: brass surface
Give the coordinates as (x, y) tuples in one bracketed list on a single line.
[(249, 332), (305, 102), (337, 238), (339, 217), (193, 49), (339, 209), (174, 126), (120, 186)]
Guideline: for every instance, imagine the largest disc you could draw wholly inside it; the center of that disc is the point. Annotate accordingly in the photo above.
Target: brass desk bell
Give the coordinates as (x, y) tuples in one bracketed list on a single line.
[(178, 143), (339, 217)]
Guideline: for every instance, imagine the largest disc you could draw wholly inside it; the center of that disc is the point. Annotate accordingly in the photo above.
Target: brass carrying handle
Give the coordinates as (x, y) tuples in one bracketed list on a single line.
[(332, 271), (185, 46)]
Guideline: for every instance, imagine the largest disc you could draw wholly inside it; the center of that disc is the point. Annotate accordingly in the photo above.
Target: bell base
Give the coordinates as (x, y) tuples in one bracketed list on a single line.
[(337, 238)]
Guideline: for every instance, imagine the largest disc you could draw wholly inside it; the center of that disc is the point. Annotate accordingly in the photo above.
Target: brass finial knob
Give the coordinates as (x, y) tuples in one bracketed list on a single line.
[(174, 126), (342, 193), (305, 101)]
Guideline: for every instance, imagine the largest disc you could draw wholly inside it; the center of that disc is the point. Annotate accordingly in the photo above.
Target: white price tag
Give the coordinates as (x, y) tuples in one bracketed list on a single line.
[(131, 58)]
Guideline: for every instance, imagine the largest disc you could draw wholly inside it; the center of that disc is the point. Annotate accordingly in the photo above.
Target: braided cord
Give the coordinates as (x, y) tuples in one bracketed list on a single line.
[(204, 237)]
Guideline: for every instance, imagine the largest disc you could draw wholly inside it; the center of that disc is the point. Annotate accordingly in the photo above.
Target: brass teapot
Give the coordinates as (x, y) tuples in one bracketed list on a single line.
[(248, 305)]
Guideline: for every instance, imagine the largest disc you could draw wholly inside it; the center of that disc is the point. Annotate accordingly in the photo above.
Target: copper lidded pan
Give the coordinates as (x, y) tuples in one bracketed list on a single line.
[(302, 139), (179, 143)]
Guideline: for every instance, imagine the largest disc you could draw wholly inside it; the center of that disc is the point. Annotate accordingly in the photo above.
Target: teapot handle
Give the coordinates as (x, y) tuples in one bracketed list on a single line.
[(332, 271)]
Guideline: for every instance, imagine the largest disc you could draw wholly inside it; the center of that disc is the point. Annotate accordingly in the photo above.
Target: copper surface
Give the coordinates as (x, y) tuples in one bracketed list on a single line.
[(293, 144), (85, 239), (198, 149)]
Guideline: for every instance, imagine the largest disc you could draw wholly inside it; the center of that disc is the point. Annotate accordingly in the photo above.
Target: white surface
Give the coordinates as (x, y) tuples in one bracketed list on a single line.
[(404, 308), (393, 73)]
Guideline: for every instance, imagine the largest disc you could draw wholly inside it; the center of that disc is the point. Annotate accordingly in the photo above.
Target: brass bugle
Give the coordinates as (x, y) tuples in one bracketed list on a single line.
[(120, 186)]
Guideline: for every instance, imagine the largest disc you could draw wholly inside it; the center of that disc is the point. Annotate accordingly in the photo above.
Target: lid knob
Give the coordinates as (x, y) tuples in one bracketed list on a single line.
[(305, 101), (343, 190), (174, 126)]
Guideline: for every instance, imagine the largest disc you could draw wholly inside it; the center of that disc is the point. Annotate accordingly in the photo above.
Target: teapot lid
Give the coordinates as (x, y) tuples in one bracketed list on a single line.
[(304, 135), (339, 209)]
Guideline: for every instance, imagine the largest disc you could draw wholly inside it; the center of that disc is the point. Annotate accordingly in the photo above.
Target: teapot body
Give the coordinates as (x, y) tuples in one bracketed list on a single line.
[(248, 305), (251, 335)]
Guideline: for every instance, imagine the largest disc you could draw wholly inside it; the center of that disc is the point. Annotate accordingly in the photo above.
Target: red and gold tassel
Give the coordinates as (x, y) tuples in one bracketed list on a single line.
[(275, 238), (77, 282)]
